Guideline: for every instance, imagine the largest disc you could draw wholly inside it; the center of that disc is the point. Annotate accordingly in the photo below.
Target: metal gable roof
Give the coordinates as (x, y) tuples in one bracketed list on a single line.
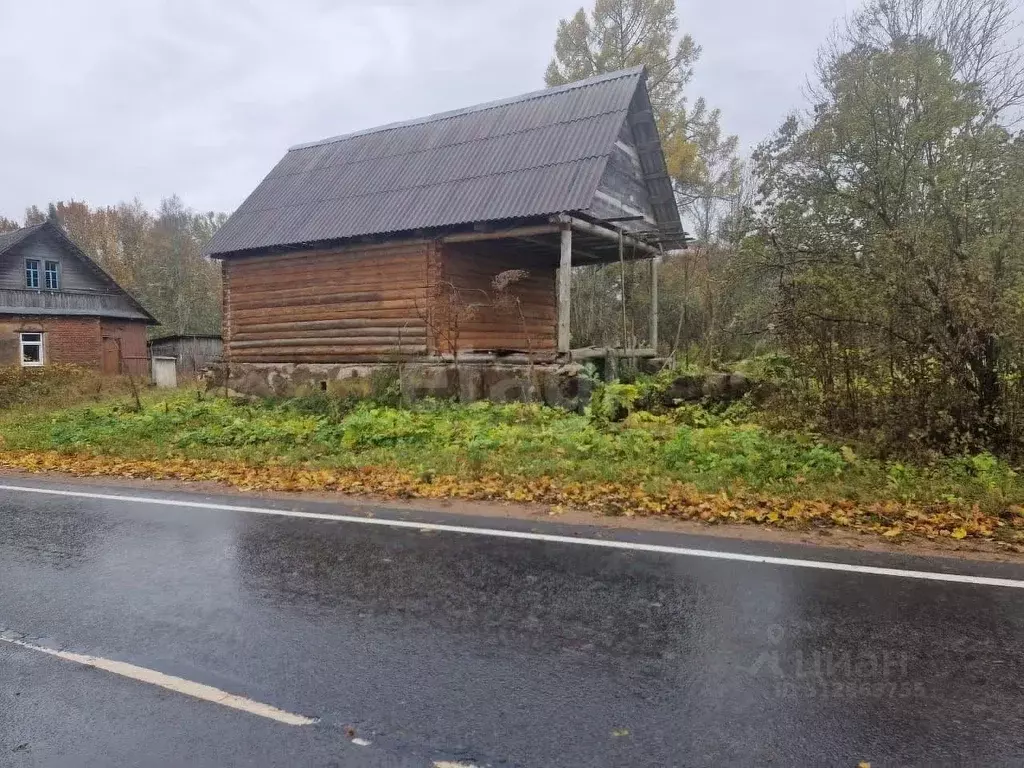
[(536, 154)]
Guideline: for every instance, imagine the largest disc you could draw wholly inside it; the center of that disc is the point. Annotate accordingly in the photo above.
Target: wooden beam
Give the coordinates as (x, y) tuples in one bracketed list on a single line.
[(594, 353), (472, 237), (622, 295), (565, 291), (608, 234)]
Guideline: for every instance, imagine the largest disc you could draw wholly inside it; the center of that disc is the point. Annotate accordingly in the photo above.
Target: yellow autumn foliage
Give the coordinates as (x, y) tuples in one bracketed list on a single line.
[(674, 501)]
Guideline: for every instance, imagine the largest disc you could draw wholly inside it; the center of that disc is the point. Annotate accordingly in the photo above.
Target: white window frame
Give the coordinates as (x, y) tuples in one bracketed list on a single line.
[(23, 343), (56, 275), (37, 270)]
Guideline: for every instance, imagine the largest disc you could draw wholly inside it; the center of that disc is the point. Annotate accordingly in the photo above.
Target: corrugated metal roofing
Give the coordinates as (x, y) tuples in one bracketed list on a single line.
[(536, 154)]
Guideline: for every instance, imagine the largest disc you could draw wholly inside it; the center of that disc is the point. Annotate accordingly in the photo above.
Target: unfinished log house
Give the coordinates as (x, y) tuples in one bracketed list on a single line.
[(385, 243)]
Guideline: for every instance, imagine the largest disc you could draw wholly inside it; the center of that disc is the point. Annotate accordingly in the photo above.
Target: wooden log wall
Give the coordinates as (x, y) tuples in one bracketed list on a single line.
[(360, 303), (472, 267)]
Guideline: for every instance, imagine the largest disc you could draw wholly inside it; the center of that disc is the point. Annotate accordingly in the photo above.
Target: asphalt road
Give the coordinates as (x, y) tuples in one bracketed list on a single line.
[(441, 646)]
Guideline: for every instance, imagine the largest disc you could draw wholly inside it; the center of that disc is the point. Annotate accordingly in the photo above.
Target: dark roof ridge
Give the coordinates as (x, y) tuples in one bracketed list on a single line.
[(175, 336), (543, 92)]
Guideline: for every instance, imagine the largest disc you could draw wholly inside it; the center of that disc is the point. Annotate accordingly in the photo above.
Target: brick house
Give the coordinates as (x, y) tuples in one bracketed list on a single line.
[(58, 306)]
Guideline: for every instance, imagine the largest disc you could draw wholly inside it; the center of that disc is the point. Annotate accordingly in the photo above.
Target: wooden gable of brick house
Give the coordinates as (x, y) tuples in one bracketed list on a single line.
[(386, 243), (57, 305)]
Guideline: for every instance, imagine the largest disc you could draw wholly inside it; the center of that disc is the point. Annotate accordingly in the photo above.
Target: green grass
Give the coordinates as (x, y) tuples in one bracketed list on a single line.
[(712, 451)]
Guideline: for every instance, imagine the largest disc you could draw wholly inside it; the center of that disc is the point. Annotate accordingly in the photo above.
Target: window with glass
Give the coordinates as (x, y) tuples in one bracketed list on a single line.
[(31, 273), (52, 275), (31, 349)]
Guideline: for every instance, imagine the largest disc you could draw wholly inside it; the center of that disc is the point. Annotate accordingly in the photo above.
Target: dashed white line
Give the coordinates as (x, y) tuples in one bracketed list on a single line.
[(956, 578), (171, 683)]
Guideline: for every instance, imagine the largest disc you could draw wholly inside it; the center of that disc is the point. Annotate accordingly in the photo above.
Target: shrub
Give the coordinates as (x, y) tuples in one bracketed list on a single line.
[(751, 454), (57, 385), (710, 448), (613, 401)]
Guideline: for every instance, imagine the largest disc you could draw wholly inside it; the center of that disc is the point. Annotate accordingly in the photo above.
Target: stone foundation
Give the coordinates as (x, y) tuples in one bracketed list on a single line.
[(554, 384), (558, 385)]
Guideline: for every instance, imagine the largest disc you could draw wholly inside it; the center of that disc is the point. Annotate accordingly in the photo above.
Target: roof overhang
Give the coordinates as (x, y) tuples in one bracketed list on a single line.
[(594, 241), (103, 315)]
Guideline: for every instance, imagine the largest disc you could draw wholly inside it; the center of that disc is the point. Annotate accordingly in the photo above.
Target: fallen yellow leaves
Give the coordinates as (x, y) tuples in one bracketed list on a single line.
[(678, 501)]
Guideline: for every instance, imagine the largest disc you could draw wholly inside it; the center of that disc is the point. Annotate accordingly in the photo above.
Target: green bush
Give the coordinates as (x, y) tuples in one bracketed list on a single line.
[(614, 400), (750, 453)]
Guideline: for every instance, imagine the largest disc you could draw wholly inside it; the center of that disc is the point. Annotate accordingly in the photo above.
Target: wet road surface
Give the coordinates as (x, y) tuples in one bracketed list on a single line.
[(436, 646)]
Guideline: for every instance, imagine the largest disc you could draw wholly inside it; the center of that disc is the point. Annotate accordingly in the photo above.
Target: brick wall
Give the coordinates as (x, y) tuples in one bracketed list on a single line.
[(66, 340), (72, 340)]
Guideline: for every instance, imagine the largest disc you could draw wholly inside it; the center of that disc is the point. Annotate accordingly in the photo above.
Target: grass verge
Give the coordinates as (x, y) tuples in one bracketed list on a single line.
[(689, 464)]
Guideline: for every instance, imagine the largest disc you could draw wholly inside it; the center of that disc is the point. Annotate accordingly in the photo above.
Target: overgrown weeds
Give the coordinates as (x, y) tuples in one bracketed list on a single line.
[(642, 461), (707, 449), (59, 386)]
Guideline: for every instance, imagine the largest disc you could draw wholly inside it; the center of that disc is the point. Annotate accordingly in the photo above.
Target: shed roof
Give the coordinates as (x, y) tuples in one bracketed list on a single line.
[(537, 154), (185, 337)]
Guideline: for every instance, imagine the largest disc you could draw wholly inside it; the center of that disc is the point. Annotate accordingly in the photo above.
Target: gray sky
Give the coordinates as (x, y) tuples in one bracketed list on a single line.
[(109, 100)]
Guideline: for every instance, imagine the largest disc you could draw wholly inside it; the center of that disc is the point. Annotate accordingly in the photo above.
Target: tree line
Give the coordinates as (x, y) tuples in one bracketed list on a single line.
[(157, 256)]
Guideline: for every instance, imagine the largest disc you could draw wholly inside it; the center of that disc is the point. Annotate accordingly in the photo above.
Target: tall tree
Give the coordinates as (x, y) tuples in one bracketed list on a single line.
[(618, 34), (158, 257), (892, 220)]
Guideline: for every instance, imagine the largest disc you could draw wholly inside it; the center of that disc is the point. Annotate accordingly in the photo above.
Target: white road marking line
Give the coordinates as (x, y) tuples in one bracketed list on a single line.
[(957, 578), (171, 683)]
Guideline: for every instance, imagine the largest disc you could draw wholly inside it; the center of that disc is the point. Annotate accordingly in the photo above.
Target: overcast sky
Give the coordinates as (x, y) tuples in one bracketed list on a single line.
[(108, 100)]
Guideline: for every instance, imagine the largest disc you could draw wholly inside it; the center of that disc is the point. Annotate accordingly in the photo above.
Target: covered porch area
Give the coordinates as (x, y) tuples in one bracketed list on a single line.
[(553, 247)]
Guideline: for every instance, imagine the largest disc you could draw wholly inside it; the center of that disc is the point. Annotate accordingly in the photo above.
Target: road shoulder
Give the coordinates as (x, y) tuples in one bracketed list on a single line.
[(826, 545)]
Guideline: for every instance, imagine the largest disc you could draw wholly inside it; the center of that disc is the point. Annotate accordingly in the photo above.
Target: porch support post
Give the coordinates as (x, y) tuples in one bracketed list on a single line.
[(654, 304), (622, 295), (565, 290)]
